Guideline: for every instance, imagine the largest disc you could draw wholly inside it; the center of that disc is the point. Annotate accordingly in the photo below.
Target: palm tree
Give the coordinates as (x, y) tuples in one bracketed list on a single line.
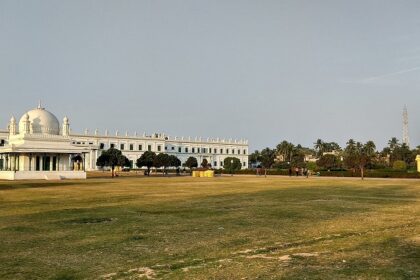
[(351, 147), (393, 143), (319, 147), (364, 154), (370, 148), (286, 150)]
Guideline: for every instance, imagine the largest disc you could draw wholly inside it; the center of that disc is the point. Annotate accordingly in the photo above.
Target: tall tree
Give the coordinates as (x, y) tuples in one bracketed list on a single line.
[(358, 155), (146, 159), (350, 155), (328, 162), (191, 162), (254, 158), (205, 163), (393, 143), (112, 158), (162, 160), (267, 159), (232, 164), (286, 149), (319, 147), (174, 161)]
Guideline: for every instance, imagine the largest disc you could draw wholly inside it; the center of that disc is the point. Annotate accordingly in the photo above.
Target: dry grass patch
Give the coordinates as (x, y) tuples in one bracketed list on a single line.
[(210, 228)]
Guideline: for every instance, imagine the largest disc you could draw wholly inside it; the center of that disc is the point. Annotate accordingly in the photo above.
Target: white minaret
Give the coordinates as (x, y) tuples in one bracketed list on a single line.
[(406, 137), (12, 126), (66, 127), (26, 125)]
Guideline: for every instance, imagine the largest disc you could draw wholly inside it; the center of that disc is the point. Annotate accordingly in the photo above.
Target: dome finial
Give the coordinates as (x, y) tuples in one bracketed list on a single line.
[(39, 105)]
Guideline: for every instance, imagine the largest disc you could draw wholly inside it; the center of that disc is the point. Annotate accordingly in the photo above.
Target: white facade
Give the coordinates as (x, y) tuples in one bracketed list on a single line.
[(36, 149), (44, 128), (214, 150)]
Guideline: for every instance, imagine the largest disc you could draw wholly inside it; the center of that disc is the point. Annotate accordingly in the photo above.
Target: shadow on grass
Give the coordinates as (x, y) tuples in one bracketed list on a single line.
[(43, 184)]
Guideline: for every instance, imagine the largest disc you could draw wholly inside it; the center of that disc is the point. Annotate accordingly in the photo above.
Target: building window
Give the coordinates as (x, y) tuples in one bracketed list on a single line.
[(221, 163), (186, 150), (244, 163), (37, 164), (221, 151), (244, 152), (179, 149), (101, 146), (159, 148), (112, 145), (54, 164), (121, 147), (131, 147), (239, 152), (172, 148), (209, 150), (198, 150), (149, 148), (227, 151), (166, 148), (215, 163), (193, 150), (140, 147)]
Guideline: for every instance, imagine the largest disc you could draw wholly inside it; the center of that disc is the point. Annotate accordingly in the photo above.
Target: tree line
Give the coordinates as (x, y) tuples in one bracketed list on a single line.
[(355, 156), (114, 158)]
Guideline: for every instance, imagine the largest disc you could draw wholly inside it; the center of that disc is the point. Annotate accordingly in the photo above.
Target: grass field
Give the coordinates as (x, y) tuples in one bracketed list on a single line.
[(210, 228)]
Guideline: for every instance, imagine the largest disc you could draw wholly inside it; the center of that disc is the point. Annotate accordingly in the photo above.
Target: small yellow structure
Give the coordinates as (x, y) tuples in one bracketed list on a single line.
[(201, 173), (418, 163), (209, 173)]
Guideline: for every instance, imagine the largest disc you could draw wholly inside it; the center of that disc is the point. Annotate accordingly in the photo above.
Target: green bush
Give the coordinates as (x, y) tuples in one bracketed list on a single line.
[(399, 165), (311, 166)]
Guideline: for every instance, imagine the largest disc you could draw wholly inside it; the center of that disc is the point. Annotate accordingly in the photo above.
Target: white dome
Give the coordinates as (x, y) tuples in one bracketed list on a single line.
[(41, 121)]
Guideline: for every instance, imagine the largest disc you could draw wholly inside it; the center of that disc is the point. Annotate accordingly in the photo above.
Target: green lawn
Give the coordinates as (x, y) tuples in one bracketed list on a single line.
[(210, 228)]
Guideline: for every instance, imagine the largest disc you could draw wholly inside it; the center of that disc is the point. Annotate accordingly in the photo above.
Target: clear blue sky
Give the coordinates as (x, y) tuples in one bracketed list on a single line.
[(262, 70)]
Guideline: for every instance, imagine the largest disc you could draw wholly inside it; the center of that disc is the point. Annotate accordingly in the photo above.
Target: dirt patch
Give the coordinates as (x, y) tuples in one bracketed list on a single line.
[(284, 258), (108, 276), (142, 272), (134, 273), (88, 221), (305, 255), (414, 239)]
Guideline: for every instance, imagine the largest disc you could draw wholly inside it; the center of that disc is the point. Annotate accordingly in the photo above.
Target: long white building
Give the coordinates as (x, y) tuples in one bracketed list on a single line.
[(40, 147)]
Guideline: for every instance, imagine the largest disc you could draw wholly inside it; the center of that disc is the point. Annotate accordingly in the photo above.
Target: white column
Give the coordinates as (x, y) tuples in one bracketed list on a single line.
[(96, 158), (12, 163), (51, 162), (41, 163)]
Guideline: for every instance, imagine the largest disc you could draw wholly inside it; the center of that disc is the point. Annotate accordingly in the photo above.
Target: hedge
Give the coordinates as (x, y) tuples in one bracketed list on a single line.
[(374, 173)]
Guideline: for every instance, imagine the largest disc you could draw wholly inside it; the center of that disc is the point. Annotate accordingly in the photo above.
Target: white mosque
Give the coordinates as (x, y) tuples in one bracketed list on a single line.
[(38, 147)]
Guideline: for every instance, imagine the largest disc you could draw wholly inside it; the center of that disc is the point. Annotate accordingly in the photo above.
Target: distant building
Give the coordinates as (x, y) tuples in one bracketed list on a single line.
[(38, 147)]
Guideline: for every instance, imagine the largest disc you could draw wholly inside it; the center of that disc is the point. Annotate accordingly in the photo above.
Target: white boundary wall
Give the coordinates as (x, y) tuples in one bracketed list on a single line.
[(42, 175)]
